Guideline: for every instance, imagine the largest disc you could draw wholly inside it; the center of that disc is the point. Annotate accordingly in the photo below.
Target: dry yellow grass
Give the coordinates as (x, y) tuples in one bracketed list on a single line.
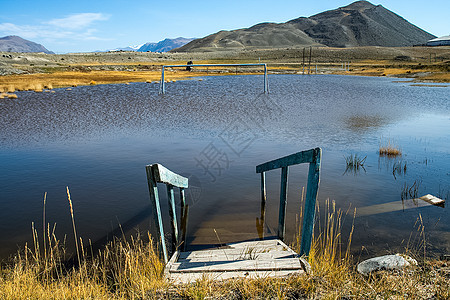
[(37, 82), (8, 95), (132, 270)]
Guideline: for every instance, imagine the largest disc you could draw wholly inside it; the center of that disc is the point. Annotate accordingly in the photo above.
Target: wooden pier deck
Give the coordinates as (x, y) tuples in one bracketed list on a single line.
[(251, 259)]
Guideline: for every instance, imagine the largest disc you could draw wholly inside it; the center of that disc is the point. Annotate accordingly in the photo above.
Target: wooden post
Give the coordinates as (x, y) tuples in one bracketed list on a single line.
[(310, 52), (283, 200), (153, 189), (183, 214), (182, 201), (183, 229), (303, 63), (162, 89), (310, 202), (263, 206), (266, 80), (173, 217)]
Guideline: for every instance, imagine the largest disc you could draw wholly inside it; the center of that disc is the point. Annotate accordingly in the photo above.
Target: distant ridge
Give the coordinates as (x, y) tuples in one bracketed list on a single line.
[(161, 46), (359, 24), (165, 45), (13, 43)]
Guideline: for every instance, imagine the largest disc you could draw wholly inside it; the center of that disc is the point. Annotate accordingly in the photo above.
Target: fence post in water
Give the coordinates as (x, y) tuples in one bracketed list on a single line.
[(310, 203), (266, 84), (283, 200), (162, 89)]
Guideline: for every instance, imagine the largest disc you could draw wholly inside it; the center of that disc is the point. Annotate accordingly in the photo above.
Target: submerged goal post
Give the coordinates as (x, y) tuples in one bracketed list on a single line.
[(162, 88)]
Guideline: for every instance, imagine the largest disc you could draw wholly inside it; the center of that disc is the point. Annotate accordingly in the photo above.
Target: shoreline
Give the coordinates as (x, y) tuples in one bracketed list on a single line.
[(39, 71), (39, 82)]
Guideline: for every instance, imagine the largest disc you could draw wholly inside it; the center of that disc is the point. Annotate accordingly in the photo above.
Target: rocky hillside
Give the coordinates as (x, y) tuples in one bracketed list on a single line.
[(358, 24), (14, 43)]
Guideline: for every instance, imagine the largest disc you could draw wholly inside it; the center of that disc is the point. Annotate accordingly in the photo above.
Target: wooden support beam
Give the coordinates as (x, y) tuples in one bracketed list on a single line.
[(310, 202), (293, 159), (173, 217), (154, 198), (283, 202)]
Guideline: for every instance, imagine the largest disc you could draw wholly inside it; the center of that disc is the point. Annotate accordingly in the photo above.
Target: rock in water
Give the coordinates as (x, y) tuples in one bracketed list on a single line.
[(386, 262)]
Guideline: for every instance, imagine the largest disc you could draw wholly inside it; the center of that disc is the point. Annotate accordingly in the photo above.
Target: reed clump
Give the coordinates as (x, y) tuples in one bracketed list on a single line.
[(354, 163), (389, 150)]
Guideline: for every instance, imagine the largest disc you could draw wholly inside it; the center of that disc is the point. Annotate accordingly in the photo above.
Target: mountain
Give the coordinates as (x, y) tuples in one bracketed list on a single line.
[(358, 24), (15, 43), (161, 46), (164, 45), (128, 48)]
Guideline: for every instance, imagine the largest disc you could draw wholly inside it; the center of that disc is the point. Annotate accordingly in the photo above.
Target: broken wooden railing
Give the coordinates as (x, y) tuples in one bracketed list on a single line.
[(157, 173), (162, 87), (313, 158)]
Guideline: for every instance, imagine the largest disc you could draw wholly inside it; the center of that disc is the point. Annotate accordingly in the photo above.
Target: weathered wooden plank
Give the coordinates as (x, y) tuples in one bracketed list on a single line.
[(268, 258), (433, 200), (164, 175), (293, 159), (154, 198), (310, 202), (283, 200), (399, 205), (180, 278), (173, 217), (237, 265)]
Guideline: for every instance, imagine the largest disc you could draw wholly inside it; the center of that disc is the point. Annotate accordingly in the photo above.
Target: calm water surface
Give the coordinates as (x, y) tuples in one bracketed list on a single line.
[(98, 139)]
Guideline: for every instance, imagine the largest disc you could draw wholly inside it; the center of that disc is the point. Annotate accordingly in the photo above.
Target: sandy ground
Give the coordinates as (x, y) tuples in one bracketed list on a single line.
[(39, 71)]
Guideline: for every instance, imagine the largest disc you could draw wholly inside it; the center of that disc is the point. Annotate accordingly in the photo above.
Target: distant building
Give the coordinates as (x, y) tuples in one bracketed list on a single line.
[(440, 41)]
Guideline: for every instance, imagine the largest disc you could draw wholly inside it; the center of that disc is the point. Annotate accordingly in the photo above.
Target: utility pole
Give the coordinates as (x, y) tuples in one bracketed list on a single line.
[(309, 68), (303, 64)]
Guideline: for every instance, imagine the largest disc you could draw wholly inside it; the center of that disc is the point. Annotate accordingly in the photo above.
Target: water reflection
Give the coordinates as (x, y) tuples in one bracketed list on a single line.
[(98, 139)]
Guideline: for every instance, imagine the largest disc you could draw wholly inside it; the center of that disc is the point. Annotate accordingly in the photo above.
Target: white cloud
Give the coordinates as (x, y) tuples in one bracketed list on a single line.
[(22, 31), (77, 27), (78, 21)]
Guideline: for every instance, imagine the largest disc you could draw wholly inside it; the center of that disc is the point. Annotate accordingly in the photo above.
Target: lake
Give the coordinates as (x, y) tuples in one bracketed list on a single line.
[(97, 140)]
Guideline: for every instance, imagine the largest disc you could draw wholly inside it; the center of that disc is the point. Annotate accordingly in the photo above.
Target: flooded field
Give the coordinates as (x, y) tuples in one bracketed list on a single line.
[(97, 140)]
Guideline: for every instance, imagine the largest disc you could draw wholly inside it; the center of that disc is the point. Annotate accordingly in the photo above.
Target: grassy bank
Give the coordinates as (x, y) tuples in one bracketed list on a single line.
[(38, 71), (132, 269)]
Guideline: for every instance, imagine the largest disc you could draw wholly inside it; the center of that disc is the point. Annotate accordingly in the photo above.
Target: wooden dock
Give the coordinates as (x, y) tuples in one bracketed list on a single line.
[(253, 259), (249, 259)]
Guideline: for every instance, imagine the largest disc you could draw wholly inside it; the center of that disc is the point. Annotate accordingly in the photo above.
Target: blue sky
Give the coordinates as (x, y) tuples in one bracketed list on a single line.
[(81, 26)]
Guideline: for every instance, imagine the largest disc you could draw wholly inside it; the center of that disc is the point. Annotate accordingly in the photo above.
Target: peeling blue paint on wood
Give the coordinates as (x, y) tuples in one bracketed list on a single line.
[(157, 173)]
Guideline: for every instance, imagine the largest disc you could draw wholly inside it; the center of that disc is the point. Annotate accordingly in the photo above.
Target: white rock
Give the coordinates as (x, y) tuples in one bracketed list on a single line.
[(386, 262)]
